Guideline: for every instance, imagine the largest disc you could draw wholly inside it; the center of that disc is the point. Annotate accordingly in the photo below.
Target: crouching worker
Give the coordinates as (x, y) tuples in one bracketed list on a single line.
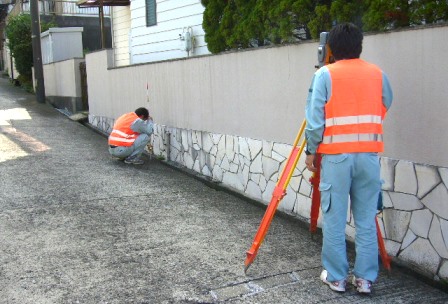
[(130, 135)]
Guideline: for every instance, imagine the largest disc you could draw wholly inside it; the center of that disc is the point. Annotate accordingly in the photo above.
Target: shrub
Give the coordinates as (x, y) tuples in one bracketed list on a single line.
[(18, 32)]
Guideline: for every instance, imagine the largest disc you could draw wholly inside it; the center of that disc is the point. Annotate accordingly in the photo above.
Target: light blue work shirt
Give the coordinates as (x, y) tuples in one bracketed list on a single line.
[(318, 95), (143, 127)]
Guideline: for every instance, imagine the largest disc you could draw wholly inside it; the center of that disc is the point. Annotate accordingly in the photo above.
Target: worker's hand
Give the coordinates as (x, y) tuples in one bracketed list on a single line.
[(309, 162)]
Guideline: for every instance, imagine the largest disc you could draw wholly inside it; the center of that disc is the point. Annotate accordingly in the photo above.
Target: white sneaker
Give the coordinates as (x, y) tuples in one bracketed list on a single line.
[(338, 286), (362, 286)]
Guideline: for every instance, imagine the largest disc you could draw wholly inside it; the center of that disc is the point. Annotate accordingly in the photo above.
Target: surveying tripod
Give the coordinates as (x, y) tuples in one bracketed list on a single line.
[(324, 57)]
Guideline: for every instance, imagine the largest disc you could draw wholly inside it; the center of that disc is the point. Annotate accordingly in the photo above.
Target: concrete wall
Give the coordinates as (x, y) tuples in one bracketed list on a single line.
[(59, 44), (63, 84), (91, 35), (219, 93), (414, 62), (9, 64), (232, 118)]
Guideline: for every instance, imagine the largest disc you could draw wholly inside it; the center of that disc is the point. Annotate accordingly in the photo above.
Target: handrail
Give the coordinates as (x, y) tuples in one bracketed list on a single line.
[(58, 8)]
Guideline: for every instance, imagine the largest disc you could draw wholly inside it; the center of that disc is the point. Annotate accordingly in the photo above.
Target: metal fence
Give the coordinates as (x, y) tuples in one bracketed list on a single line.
[(58, 7)]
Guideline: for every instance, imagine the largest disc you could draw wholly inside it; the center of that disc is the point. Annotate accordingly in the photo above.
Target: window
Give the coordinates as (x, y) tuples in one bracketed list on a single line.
[(151, 12)]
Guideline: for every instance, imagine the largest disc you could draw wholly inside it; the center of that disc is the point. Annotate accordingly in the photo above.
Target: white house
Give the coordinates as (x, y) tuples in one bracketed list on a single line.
[(155, 30)]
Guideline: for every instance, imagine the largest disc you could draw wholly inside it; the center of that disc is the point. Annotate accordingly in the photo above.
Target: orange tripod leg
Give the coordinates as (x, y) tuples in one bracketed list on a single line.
[(277, 196), (385, 258), (315, 197)]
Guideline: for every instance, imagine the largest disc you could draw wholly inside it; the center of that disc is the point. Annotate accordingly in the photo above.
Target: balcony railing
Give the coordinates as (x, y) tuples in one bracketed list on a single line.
[(58, 7)]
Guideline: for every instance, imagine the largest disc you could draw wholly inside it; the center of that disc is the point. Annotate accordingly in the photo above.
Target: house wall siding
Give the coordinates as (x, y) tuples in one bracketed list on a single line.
[(161, 42), (121, 25)]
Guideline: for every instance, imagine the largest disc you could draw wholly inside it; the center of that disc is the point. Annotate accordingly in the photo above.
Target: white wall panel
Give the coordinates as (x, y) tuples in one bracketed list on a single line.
[(194, 21), (163, 6), (180, 13), (63, 78), (167, 36), (159, 56), (136, 4), (121, 25), (120, 33), (172, 17)]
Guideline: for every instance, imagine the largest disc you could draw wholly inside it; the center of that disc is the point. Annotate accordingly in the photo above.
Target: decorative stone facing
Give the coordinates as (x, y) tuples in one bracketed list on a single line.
[(248, 165), (414, 222), (415, 199), (103, 124)]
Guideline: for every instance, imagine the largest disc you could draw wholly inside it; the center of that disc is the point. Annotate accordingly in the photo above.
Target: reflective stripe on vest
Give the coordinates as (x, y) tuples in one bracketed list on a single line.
[(350, 138), (348, 120), (122, 134), (129, 139), (355, 112)]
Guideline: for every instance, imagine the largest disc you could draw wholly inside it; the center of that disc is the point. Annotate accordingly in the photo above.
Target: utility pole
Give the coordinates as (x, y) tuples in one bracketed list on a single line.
[(103, 36), (37, 52)]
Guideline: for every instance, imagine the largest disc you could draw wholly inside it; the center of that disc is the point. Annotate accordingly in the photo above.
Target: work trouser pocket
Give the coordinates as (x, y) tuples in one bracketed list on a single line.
[(325, 196), (336, 158)]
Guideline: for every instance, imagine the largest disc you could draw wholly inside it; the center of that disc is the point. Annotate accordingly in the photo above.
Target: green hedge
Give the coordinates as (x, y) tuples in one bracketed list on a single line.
[(234, 24), (18, 32)]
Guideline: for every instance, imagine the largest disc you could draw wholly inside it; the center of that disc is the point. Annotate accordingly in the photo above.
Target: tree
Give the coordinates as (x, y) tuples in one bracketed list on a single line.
[(18, 32), (383, 15), (213, 24), (237, 24), (428, 11), (321, 21), (348, 11), (234, 24)]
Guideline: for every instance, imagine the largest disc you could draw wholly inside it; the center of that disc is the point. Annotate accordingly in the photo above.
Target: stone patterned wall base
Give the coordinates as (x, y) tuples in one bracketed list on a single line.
[(414, 221)]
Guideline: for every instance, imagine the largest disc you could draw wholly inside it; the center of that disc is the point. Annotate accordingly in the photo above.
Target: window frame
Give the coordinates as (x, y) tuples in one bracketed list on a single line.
[(151, 12)]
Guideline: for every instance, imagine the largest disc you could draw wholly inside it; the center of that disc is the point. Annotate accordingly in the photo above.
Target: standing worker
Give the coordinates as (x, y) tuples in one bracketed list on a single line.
[(346, 106), (130, 135)]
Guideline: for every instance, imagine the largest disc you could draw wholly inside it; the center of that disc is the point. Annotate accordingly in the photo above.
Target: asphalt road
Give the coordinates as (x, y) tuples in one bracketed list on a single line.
[(79, 227)]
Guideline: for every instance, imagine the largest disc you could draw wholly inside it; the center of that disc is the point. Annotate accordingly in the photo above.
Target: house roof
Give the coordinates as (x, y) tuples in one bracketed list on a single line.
[(97, 3)]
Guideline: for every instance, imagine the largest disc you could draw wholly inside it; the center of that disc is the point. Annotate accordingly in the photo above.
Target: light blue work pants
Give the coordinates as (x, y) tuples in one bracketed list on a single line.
[(357, 175), (135, 150)]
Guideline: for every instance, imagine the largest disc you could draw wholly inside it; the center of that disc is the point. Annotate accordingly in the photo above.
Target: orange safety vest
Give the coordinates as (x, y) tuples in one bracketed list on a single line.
[(122, 134), (355, 112)]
